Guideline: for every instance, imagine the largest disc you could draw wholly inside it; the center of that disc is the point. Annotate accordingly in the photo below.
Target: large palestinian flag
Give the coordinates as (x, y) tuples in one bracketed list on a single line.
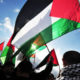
[(30, 9), (54, 21)]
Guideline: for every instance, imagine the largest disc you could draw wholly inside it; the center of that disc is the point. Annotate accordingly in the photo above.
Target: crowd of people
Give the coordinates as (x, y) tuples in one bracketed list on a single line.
[(25, 71)]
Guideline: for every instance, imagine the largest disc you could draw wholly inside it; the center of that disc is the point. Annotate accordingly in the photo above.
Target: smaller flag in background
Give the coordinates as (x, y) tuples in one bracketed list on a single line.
[(7, 52), (1, 46), (47, 58), (53, 55)]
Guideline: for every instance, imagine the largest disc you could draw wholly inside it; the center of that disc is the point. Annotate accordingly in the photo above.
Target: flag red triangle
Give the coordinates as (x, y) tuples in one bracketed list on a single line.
[(1, 46), (9, 42), (10, 45), (68, 9), (53, 55)]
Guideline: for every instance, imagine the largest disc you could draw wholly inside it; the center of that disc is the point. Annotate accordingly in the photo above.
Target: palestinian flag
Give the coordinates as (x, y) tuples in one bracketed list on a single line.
[(47, 25), (52, 54), (7, 52), (30, 9), (29, 30), (1, 46)]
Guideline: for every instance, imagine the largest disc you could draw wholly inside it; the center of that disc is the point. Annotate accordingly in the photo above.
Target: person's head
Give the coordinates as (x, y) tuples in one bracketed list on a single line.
[(71, 57), (8, 68), (24, 69)]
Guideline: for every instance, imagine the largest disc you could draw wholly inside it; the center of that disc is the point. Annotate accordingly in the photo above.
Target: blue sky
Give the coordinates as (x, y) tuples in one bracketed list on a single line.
[(9, 10)]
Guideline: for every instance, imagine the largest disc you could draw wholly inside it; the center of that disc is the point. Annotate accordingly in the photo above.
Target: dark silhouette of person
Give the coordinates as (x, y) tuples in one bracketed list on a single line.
[(25, 71), (71, 70), (8, 69), (43, 75), (50, 77), (2, 75)]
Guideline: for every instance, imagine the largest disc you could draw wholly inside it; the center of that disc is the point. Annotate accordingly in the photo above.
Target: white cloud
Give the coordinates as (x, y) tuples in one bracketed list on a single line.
[(1, 1), (16, 10), (7, 24)]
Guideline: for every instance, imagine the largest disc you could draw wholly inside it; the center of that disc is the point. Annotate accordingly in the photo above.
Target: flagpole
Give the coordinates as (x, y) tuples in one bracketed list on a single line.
[(47, 48), (50, 56)]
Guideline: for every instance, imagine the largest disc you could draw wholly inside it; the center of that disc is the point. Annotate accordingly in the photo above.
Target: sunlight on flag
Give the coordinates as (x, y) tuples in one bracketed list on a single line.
[(33, 47)]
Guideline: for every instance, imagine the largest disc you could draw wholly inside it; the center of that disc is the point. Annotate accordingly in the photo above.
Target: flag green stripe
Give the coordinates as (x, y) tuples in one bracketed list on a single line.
[(27, 48), (39, 49), (57, 29), (6, 54), (13, 60)]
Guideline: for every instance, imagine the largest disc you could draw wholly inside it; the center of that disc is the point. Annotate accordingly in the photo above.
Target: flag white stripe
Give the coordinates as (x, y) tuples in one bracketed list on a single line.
[(34, 26)]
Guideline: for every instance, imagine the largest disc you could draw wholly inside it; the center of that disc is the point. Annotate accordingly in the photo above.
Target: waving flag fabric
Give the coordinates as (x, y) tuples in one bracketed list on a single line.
[(7, 52), (44, 28), (52, 54), (30, 9), (1, 46), (68, 9), (30, 30)]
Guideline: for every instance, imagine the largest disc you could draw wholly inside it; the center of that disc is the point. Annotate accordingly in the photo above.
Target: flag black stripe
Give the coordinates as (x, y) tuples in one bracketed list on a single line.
[(30, 9)]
